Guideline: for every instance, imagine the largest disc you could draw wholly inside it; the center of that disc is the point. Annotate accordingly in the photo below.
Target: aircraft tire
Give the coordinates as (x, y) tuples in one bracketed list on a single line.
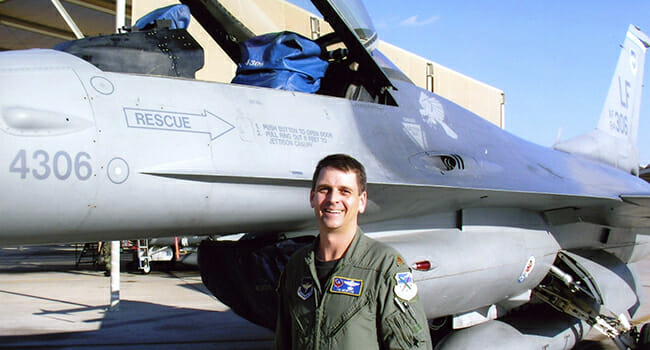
[(146, 268), (644, 337)]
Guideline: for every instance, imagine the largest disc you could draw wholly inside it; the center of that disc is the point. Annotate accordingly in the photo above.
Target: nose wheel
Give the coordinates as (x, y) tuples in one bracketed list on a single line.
[(146, 267)]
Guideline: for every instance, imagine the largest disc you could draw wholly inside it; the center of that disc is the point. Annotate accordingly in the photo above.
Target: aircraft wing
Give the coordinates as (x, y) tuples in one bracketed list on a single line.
[(630, 210), (642, 200), (635, 211)]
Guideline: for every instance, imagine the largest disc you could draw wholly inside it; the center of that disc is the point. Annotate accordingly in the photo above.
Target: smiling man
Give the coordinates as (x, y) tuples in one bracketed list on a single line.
[(347, 291)]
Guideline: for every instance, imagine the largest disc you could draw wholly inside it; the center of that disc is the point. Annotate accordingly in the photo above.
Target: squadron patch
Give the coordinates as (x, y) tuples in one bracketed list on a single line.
[(348, 286), (406, 288), (306, 288)]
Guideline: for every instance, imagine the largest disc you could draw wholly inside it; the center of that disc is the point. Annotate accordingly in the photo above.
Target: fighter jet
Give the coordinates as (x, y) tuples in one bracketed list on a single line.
[(513, 245)]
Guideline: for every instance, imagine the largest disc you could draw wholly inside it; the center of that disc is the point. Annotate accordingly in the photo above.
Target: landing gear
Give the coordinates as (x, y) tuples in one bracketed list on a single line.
[(643, 342), (634, 339), (627, 340), (570, 288), (144, 259)]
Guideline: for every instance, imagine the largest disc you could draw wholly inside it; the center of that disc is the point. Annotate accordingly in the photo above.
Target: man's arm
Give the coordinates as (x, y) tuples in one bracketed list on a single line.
[(403, 321)]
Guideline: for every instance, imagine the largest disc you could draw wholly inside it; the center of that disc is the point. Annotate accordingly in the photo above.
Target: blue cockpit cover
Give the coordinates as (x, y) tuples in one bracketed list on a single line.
[(283, 60), (179, 15)]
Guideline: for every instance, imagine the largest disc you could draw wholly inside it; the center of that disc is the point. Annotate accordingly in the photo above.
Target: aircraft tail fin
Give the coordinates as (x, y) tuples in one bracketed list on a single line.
[(615, 140)]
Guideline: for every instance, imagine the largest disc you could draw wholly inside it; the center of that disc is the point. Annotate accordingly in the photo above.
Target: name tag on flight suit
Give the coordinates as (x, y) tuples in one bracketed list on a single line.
[(348, 286)]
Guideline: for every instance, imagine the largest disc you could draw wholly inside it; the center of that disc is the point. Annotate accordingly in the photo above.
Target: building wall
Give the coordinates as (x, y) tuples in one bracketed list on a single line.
[(478, 97), (264, 16)]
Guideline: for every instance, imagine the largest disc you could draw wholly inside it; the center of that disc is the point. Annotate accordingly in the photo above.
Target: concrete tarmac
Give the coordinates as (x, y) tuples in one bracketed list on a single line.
[(48, 303)]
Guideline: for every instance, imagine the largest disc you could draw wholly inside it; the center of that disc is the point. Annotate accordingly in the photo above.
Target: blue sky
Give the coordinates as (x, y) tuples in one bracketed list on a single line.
[(553, 59)]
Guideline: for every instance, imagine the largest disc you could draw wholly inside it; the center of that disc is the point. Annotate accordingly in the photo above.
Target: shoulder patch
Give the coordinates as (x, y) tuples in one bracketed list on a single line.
[(399, 260), (348, 286), (405, 288)]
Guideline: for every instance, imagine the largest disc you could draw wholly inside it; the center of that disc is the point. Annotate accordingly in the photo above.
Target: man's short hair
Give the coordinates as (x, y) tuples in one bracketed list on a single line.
[(342, 162)]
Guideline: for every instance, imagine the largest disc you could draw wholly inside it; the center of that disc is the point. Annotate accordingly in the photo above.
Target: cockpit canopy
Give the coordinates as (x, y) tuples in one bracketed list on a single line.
[(355, 69), (356, 18)]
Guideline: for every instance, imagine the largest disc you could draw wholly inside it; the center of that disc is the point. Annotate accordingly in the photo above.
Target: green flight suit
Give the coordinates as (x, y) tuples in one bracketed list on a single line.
[(359, 307)]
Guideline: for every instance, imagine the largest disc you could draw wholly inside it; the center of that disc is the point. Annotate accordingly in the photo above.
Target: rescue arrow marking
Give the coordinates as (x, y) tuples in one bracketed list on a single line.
[(206, 123)]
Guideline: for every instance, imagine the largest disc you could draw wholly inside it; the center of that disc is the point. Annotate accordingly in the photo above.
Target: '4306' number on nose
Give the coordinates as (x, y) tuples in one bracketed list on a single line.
[(62, 165)]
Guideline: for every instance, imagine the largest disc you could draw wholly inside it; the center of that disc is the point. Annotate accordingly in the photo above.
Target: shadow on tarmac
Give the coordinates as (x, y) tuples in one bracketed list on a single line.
[(137, 324), (52, 318), (146, 325)]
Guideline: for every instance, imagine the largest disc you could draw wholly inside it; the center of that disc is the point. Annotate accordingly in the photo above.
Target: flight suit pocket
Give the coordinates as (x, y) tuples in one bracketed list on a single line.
[(303, 321), (343, 319), (407, 333)]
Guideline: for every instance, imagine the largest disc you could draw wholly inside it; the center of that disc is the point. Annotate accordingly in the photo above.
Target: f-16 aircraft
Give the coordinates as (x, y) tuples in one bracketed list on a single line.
[(513, 245)]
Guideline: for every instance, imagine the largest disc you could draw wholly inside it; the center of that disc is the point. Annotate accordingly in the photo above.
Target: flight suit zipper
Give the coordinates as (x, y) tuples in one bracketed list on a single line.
[(319, 295), (320, 311)]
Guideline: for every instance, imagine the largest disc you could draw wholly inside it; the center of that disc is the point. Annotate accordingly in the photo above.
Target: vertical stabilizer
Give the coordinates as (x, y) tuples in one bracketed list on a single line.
[(615, 140), (620, 115)]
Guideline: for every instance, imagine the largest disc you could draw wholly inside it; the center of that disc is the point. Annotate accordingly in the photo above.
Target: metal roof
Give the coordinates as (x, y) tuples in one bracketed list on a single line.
[(37, 23)]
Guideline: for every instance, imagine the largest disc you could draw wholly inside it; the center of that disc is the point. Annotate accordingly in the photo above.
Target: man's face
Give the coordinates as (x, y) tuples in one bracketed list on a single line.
[(336, 200)]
